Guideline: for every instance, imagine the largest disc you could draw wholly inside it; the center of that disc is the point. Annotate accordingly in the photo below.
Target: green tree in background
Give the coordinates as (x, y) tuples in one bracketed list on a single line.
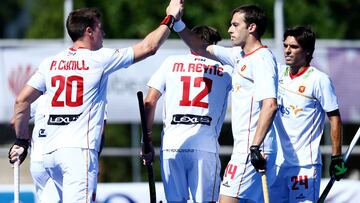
[(135, 18)]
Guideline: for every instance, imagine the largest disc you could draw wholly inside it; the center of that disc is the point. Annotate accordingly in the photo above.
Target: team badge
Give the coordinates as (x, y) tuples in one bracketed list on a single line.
[(302, 89), (243, 68)]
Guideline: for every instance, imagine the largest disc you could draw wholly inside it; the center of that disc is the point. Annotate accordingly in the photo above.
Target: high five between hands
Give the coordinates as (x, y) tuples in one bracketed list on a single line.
[(175, 8)]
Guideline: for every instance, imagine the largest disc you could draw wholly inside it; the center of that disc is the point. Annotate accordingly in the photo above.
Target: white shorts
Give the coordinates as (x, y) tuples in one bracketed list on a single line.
[(296, 184), (46, 191), (74, 171), (242, 181), (190, 170)]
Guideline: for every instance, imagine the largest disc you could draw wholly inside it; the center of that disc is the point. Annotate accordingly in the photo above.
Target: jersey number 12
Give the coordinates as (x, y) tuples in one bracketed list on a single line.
[(197, 101)]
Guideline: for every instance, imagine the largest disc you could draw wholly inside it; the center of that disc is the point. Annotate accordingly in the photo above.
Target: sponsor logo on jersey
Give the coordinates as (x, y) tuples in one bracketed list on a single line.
[(42, 133), (190, 119), (302, 89), (200, 59), (236, 87), (179, 150), (283, 110), (62, 119), (286, 110), (71, 53), (296, 109)]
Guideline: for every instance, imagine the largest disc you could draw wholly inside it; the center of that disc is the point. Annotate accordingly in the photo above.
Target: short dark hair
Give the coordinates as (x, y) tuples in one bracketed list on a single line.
[(208, 35), (78, 20), (253, 14), (305, 37)]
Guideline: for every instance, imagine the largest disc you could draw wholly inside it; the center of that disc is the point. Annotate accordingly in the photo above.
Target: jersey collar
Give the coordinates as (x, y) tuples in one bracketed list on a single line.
[(298, 74), (260, 47)]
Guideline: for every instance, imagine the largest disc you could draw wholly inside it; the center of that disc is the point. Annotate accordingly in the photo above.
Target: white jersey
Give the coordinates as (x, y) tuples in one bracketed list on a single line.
[(76, 83), (195, 101), (303, 100), (254, 79), (38, 112)]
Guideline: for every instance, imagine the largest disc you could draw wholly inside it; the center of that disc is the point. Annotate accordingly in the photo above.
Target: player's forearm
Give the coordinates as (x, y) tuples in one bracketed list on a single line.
[(150, 106), (266, 117), (21, 119), (335, 134), (150, 114), (196, 44), (151, 43)]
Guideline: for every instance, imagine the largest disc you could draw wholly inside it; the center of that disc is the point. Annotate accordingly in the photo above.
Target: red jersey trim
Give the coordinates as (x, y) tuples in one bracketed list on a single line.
[(74, 49), (262, 46), (305, 68)]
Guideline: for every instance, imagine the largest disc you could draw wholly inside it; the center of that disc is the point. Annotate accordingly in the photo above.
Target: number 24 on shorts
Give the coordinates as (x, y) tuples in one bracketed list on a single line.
[(299, 181)]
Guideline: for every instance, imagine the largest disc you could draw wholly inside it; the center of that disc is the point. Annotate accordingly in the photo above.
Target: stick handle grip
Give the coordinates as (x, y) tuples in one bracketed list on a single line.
[(265, 187), (345, 158), (17, 181)]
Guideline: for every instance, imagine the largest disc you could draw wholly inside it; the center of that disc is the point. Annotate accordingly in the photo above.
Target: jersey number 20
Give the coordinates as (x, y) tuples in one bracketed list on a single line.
[(185, 101), (72, 85)]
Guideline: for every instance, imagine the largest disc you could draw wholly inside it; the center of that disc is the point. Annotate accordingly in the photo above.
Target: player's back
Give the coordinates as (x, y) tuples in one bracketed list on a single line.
[(195, 101), (76, 82)]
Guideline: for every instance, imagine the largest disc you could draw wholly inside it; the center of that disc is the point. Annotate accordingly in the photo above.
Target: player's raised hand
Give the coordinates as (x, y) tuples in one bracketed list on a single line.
[(18, 150), (257, 159), (175, 8), (338, 167)]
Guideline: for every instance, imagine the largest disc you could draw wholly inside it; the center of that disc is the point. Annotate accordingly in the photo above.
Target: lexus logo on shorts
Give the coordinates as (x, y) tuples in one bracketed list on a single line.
[(189, 119), (62, 119)]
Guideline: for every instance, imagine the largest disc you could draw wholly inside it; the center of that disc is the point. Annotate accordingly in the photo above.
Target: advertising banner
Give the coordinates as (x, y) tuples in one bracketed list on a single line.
[(19, 63)]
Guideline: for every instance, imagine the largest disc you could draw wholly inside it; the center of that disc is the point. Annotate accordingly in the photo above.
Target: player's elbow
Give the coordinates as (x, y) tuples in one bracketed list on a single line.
[(20, 101), (150, 103), (270, 105)]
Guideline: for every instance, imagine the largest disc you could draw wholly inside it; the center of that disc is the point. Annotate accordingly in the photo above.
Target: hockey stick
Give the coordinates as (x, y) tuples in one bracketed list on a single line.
[(265, 187), (146, 147), (345, 157), (17, 181)]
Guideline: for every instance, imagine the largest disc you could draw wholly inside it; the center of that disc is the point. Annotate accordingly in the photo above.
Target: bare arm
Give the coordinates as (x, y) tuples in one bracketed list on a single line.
[(21, 117), (151, 43), (150, 102), (335, 131), (190, 39), (266, 117), (196, 44)]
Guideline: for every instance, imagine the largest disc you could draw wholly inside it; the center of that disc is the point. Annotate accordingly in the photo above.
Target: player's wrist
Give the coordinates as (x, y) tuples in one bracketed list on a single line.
[(22, 143), (254, 148), (336, 157), (179, 26), (168, 21)]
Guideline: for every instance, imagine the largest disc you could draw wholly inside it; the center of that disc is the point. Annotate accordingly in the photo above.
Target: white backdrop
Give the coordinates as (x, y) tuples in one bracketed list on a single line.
[(18, 61)]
